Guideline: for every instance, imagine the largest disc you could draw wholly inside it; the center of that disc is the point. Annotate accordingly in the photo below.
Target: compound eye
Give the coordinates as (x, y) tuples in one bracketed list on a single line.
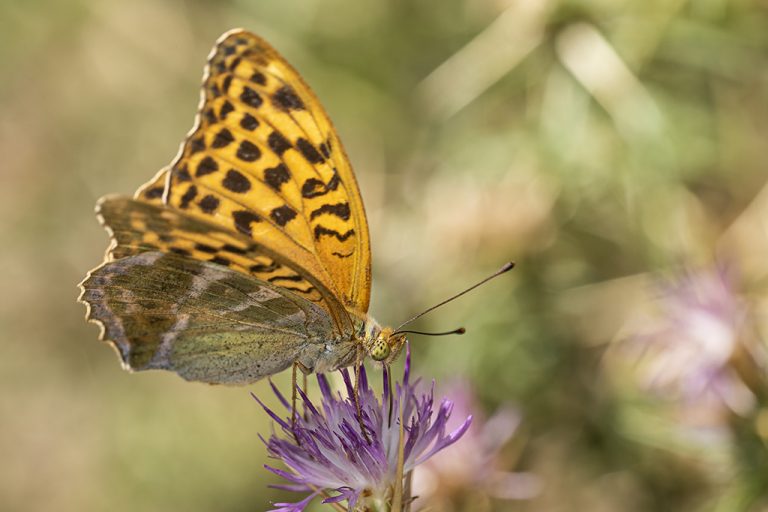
[(380, 350)]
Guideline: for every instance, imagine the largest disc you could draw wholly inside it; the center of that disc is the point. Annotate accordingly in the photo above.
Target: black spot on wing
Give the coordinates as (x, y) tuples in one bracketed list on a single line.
[(248, 151), (233, 249), (209, 203), (258, 78), (278, 143), (276, 176), (340, 255), (226, 108), (299, 290), (226, 83), (182, 173), (309, 151), (314, 187), (323, 231), (236, 182), (220, 261), (154, 193), (333, 183), (206, 166), (196, 145), (210, 116), (249, 122), (188, 196), (223, 139), (340, 210), (294, 278), (251, 97), (206, 248), (282, 215), (243, 219), (285, 98), (260, 267)]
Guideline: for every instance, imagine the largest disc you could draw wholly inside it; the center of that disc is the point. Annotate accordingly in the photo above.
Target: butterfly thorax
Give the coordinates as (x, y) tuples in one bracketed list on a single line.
[(368, 338)]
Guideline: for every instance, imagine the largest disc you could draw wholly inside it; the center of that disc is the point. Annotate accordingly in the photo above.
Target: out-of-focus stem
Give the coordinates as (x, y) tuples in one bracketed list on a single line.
[(407, 491), (750, 372)]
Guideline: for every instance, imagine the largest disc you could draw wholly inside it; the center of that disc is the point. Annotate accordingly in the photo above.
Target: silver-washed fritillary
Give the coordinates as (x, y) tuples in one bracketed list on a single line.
[(249, 253)]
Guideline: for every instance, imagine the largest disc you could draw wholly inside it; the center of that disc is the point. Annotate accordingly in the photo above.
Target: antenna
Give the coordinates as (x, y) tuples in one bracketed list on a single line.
[(460, 330), (506, 268)]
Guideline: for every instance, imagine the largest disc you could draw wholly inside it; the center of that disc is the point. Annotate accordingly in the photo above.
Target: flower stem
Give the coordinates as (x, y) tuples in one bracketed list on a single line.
[(397, 495)]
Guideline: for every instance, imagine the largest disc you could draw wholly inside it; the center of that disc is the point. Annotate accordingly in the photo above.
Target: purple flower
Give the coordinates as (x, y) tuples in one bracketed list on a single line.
[(476, 465), (689, 344), (326, 451)]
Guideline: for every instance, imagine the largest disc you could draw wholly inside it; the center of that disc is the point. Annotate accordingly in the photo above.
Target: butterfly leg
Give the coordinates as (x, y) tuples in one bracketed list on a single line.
[(357, 403), (390, 398), (293, 401), (306, 371)]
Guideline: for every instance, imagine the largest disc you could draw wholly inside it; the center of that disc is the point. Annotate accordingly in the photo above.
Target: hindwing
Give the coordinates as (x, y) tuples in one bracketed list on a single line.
[(203, 321)]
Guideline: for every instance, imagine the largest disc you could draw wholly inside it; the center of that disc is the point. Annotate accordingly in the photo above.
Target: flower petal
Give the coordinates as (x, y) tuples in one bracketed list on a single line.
[(271, 414), (294, 507)]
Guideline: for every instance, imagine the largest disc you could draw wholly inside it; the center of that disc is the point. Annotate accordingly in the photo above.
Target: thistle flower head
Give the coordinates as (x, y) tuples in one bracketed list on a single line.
[(326, 451), (476, 467), (689, 344)]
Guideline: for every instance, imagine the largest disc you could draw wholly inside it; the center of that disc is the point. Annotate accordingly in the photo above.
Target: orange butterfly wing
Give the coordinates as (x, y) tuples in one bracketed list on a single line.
[(264, 161)]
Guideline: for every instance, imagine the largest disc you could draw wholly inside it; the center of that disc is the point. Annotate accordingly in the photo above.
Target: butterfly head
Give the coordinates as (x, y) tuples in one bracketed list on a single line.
[(386, 345)]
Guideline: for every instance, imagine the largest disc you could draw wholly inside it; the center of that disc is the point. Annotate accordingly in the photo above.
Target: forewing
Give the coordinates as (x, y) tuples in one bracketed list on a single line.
[(137, 226), (201, 320), (263, 160)]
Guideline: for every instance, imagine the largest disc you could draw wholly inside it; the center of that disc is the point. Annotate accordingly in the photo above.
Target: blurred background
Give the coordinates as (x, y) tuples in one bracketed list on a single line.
[(616, 150)]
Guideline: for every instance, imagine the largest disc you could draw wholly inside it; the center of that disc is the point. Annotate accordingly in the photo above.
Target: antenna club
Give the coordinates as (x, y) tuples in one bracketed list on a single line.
[(506, 268), (461, 330)]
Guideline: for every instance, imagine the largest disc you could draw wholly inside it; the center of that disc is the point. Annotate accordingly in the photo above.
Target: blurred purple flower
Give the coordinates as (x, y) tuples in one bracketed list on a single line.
[(333, 455), (475, 465), (690, 343)]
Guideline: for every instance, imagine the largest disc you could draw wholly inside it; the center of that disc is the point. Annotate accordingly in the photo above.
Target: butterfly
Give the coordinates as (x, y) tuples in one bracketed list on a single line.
[(250, 252)]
